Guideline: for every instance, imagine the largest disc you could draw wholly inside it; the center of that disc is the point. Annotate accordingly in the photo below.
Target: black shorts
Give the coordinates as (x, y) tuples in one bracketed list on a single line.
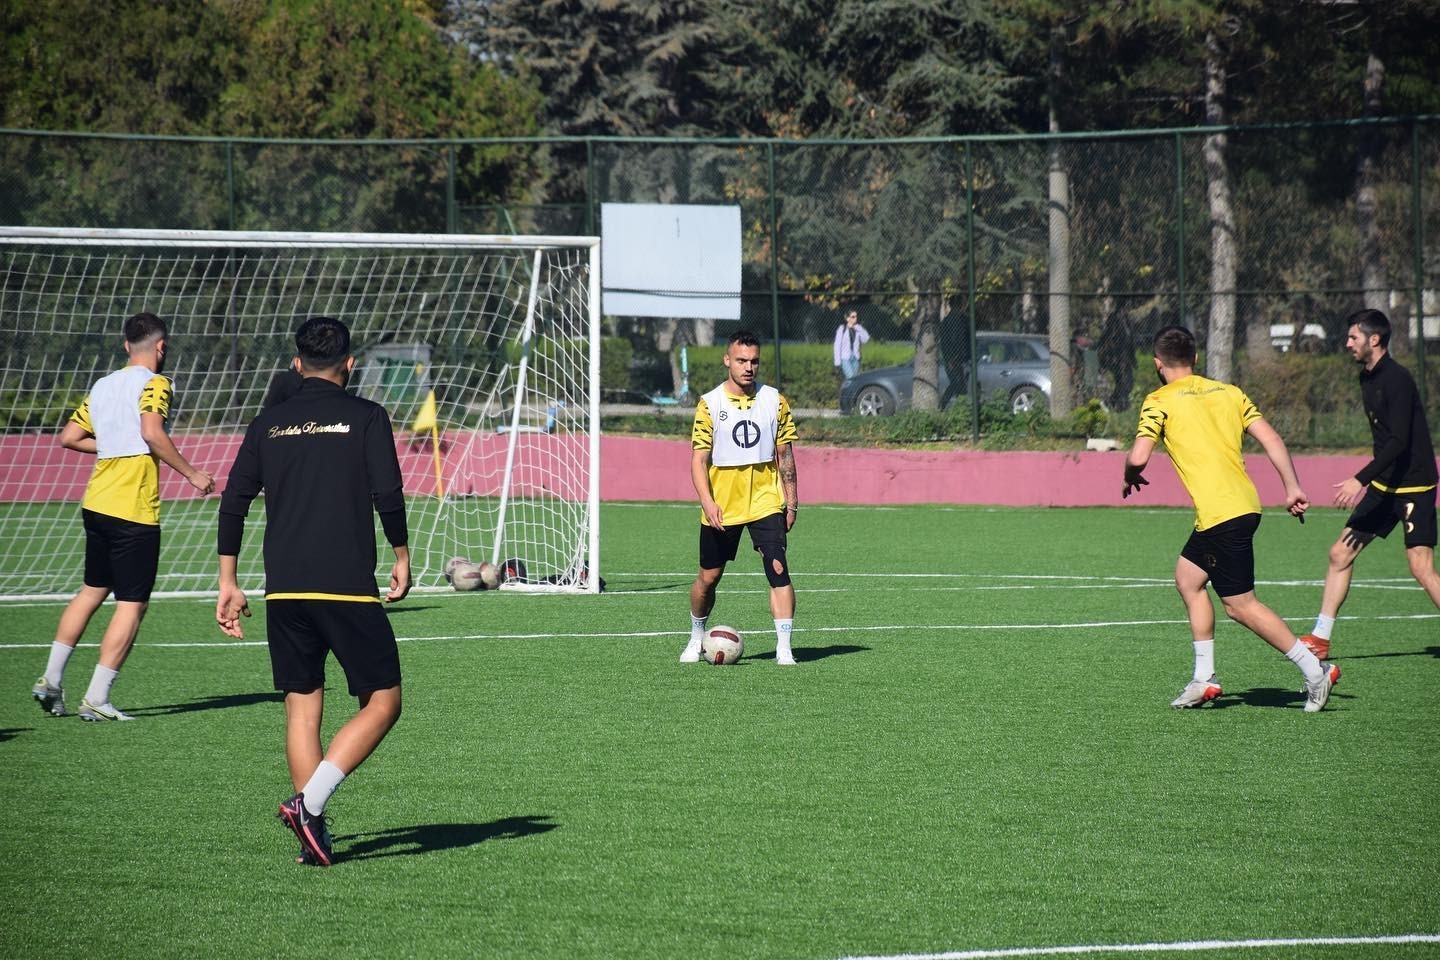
[(121, 555), (1226, 552), (718, 547), (302, 632), (1377, 513)]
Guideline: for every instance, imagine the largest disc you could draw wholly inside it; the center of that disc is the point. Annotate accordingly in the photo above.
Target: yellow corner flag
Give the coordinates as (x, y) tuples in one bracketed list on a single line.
[(425, 419)]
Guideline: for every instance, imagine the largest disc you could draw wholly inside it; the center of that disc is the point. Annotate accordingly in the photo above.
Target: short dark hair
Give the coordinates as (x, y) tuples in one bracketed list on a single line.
[(323, 343), (144, 327), (1371, 323), (748, 338), (1175, 346)]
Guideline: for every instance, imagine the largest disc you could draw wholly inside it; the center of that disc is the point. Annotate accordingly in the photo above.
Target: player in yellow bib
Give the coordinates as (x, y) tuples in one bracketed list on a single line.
[(122, 424), (1202, 423), (743, 468)]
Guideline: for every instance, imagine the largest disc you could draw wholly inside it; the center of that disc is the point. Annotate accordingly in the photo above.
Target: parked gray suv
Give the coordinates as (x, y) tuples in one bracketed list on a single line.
[(1015, 364)]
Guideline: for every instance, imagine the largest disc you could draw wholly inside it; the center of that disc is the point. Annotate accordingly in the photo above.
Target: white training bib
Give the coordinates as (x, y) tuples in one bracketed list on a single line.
[(742, 436)]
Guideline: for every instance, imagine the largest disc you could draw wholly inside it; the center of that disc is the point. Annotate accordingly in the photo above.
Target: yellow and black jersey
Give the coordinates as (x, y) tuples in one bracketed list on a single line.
[(126, 480), (1202, 423), (326, 461), (743, 434)]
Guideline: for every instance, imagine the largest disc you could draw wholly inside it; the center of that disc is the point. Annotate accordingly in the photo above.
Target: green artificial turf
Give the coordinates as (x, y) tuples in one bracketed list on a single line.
[(975, 752)]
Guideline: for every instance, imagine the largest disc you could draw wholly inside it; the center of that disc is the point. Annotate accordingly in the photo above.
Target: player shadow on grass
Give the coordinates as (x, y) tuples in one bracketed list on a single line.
[(396, 611), (1431, 651), (1265, 697), (10, 733), (807, 654), (211, 703), (432, 837)]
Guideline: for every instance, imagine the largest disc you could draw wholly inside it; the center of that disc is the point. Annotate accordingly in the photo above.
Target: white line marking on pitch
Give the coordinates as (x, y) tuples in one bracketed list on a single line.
[(646, 634), (1182, 946)]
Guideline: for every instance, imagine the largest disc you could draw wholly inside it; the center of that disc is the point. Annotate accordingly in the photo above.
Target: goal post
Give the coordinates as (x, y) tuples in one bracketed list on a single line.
[(485, 351)]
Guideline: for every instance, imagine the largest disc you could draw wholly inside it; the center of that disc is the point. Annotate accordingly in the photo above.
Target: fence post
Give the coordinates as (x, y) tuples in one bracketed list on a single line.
[(452, 215), (774, 261), (230, 184), (1180, 226), (972, 371), (590, 188), (1416, 214)]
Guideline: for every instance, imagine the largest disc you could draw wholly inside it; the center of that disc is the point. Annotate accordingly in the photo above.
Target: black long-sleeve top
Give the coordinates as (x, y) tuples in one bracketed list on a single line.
[(1404, 455), (325, 460)]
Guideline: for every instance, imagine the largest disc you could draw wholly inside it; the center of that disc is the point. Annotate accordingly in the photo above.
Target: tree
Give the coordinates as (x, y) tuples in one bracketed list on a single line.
[(291, 68)]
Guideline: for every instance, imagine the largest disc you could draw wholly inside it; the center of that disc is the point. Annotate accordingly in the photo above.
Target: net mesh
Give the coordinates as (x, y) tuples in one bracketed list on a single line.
[(479, 348)]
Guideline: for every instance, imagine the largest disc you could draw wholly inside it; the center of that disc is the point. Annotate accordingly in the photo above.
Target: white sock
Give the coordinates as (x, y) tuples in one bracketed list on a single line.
[(100, 683), (1323, 626), (1204, 659), (1301, 656), (322, 784), (59, 656), (697, 626), (782, 636)]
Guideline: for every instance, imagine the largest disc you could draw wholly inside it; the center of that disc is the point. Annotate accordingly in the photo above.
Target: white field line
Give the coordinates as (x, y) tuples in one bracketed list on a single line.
[(647, 634), (877, 582), (1181, 946)]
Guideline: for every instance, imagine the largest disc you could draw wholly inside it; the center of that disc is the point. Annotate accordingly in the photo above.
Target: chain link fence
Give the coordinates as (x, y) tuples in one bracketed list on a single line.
[(1085, 244)]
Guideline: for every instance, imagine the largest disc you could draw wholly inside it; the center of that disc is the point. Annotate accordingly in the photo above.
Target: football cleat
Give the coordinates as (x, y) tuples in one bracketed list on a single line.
[(312, 831), (1317, 694), (51, 697), (99, 712), (784, 658), (1318, 645), (691, 653), (1197, 693)]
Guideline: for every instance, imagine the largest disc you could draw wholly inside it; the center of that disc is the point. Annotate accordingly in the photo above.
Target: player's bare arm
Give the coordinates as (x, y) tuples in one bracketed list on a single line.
[(1279, 455), (77, 438), (700, 478), (152, 428), (789, 484), (1135, 463)]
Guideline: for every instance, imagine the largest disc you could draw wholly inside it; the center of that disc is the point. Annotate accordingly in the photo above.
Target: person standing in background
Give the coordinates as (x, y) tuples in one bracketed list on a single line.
[(850, 336)]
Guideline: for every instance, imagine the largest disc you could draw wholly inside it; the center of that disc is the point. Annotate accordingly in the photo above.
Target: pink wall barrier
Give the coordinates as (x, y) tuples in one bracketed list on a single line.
[(641, 469), (638, 468)]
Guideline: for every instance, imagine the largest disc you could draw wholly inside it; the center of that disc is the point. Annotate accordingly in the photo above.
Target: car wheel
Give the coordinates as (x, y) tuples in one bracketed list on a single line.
[(1026, 398), (874, 401)]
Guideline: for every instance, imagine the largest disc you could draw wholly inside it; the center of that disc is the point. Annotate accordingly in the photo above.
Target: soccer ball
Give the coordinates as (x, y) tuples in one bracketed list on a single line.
[(722, 645), (464, 575)]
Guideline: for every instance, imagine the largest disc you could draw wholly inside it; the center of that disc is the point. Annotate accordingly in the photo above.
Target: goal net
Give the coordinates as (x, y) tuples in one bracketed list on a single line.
[(484, 350)]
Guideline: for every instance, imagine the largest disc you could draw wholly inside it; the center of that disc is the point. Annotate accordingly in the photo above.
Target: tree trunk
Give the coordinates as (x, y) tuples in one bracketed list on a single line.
[(925, 388), (1061, 390), (1220, 344), (1372, 265)]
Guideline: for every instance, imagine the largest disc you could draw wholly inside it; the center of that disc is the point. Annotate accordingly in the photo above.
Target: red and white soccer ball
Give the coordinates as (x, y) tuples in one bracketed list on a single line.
[(722, 645), (464, 575)]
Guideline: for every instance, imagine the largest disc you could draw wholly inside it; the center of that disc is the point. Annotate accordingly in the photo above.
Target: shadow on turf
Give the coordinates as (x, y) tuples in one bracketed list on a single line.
[(1427, 652), (212, 703), (808, 654), (1265, 697), (12, 732), (430, 837)]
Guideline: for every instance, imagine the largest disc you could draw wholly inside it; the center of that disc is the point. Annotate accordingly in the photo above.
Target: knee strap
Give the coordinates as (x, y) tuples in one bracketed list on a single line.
[(777, 570)]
